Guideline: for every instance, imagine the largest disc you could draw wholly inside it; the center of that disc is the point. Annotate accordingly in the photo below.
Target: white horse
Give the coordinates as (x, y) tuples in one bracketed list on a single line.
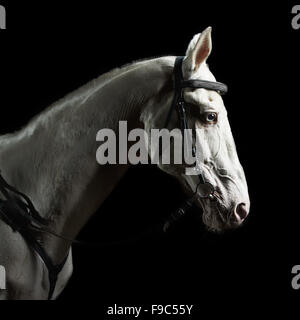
[(53, 159)]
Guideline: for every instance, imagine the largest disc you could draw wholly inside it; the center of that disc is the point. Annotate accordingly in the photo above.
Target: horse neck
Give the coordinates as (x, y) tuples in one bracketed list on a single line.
[(53, 159)]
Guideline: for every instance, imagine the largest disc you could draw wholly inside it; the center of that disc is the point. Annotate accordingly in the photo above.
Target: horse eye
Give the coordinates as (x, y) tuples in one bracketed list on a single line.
[(211, 117)]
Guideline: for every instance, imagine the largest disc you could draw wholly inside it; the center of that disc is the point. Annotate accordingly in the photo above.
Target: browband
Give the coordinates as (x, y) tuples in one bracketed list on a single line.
[(180, 83), (220, 87)]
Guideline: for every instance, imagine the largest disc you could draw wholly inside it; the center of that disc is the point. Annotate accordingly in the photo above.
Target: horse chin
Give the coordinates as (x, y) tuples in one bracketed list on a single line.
[(215, 216)]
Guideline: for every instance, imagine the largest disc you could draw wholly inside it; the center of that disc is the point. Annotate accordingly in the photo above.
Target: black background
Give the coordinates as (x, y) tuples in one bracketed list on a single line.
[(50, 49)]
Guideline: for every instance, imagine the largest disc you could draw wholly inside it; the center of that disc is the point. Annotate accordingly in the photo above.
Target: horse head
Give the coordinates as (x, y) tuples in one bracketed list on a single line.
[(216, 156)]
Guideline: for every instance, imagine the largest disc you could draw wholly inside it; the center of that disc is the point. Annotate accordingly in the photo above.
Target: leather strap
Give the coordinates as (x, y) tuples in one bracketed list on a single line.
[(178, 103), (21, 217), (220, 87), (179, 83)]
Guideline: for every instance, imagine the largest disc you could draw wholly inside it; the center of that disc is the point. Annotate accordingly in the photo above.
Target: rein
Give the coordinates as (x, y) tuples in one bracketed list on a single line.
[(19, 213)]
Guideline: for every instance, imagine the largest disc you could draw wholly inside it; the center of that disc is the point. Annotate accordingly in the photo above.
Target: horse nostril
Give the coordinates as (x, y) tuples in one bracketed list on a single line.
[(241, 211)]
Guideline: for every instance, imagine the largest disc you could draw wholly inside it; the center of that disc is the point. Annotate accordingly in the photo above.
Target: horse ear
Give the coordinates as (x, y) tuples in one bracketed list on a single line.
[(198, 50)]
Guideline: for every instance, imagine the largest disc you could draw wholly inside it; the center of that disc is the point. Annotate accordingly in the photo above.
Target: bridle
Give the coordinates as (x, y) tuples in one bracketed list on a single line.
[(179, 105), (19, 213)]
